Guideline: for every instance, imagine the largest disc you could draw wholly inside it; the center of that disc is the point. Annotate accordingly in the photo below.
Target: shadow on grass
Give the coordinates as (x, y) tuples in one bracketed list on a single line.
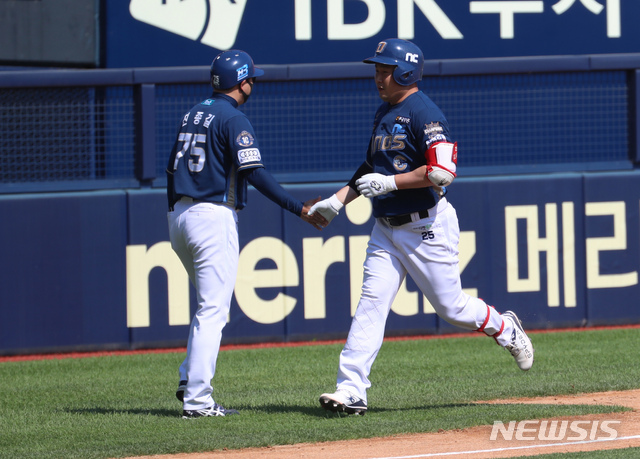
[(306, 410), (111, 411), (318, 411)]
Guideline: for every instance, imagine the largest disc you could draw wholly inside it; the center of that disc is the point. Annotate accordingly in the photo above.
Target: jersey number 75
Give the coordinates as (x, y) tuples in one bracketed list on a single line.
[(197, 155)]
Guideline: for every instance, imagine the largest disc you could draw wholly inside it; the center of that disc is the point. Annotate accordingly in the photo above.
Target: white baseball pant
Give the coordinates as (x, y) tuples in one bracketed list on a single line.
[(433, 264), (205, 238)]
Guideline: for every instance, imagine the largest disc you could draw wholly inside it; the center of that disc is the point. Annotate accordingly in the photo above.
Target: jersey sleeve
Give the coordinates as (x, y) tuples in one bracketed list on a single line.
[(264, 182), (244, 144), (432, 132)]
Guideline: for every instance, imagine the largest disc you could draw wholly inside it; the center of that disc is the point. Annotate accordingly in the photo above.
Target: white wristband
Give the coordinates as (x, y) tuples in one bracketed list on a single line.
[(335, 203)]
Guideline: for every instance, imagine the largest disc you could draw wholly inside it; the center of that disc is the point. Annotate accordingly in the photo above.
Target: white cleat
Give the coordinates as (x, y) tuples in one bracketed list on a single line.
[(343, 401), (213, 411), (520, 345)]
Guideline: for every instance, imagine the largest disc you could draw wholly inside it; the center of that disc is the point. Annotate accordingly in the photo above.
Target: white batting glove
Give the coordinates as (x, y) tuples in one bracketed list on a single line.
[(371, 185), (328, 208)]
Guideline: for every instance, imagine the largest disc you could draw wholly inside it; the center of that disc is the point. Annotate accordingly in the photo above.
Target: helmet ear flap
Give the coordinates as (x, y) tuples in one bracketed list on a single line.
[(402, 76), (406, 75)]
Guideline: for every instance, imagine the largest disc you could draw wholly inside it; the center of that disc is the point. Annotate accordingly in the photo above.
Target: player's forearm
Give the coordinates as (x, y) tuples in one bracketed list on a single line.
[(346, 194), (416, 178)]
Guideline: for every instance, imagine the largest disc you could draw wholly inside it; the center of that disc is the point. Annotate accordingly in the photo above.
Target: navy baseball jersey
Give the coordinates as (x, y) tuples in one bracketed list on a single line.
[(215, 143), (401, 135)]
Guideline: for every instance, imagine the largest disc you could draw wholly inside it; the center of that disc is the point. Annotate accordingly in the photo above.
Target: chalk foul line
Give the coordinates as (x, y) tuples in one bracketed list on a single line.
[(480, 451)]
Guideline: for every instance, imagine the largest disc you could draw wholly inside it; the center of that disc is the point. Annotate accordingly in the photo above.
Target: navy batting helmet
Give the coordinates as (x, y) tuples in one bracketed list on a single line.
[(406, 56), (231, 67)]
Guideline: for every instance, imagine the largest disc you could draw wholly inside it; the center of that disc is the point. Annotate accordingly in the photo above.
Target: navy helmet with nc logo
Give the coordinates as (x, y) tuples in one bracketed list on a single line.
[(404, 55)]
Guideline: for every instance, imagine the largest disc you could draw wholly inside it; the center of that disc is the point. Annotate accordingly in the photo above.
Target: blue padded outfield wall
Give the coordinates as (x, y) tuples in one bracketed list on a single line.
[(95, 270), (548, 198)]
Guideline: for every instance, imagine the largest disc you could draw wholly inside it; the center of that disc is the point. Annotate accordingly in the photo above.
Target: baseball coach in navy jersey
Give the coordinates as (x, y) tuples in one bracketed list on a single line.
[(215, 156)]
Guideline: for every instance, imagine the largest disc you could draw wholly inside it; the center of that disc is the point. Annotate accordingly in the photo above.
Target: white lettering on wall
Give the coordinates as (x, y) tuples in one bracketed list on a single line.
[(507, 10), (614, 29), (188, 18), (337, 29), (302, 14), (432, 12)]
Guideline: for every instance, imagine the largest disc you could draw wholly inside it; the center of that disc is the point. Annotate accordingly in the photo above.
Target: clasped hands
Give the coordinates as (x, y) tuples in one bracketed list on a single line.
[(320, 213), (369, 185)]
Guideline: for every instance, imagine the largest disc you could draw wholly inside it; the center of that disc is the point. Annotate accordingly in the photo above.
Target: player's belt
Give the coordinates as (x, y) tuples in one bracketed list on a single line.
[(189, 200), (400, 220)]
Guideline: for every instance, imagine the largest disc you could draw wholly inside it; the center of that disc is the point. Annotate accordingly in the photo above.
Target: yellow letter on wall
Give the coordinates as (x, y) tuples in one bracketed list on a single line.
[(249, 279), (140, 262)]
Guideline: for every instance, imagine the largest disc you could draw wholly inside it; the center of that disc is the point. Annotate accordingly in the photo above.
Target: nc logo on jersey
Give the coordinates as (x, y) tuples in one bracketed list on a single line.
[(397, 129), (244, 139), (188, 18), (248, 155)]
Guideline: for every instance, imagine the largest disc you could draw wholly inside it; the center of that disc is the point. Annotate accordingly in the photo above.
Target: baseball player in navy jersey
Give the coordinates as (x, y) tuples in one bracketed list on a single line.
[(410, 158), (215, 155)]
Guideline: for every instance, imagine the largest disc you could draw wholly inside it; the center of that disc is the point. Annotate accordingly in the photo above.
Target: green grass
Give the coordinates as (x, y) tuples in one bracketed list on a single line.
[(119, 406)]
